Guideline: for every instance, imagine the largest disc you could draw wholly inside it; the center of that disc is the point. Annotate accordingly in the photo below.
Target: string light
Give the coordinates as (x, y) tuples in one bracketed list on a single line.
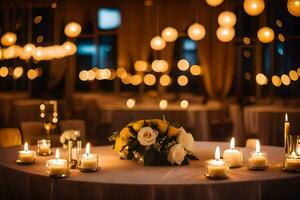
[(276, 81), (285, 79), (165, 80), (227, 18), (214, 3), (265, 34), (163, 104), (130, 103), (72, 29), (140, 66), (182, 80), (196, 32), (196, 70), (261, 79), (158, 43), (149, 79), (254, 7), (225, 34), (183, 64), (184, 104), (8, 39), (293, 7), (169, 34)]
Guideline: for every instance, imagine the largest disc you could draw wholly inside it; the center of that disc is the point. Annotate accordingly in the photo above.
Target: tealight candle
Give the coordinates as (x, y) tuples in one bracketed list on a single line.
[(232, 155), (258, 160), (88, 162), (217, 168), (57, 167), (26, 156), (44, 147), (292, 163)]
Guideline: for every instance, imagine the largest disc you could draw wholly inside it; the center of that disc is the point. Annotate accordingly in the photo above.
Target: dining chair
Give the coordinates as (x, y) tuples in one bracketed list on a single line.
[(75, 124), (10, 137)]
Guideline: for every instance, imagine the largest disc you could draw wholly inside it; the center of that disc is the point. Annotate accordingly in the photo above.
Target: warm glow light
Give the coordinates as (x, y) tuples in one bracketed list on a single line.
[(227, 18), (140, 65), (293, 75), (165, 80), (214, 3), (163, 104), (88, 149), (27, 51), (130, 103), (298, 71), (31, 74), (265, 34), (293, 7), (279, 23), (136, 79), (57, 154), (70, 48), (254, 7), (196, 70), (149, 79), (285, 79), (276, 81), (225, 34), (257, 146), (157, 43), (160, 65), (72, 29), (83, 75), (121, 72), (11, 52), (25, 146), (184, 104), (38, 54), (3, 71), (183, 64), (281, 37), (286, 118), (232, 143), (91, 75), (217, 153), (18, 72), (246, 40), (261, 79), (196, 32), (182, 80), (169, 34), (8, 39)]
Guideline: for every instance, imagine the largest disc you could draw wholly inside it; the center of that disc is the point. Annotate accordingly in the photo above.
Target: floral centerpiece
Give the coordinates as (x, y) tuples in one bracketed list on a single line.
[(69, 135), (154, 142)]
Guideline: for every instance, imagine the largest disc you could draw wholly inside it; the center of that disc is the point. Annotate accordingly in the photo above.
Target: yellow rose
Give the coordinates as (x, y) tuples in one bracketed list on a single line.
[(162, 125), (120, 143), (138, 125), (125, 133), (172, 131)]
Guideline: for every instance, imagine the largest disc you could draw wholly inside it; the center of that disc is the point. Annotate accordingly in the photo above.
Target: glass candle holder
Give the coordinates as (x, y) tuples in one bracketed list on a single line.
[(258, 160), (217, 169), (26, 157), (57, 168), (234, 157), (44, 147), (88, 162), (292, 163)]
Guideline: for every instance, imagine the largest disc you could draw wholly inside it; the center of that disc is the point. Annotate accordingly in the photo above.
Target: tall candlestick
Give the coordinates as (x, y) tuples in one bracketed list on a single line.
[(286, 134)]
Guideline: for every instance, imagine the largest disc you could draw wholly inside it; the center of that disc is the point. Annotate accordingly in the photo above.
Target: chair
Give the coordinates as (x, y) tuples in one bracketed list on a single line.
[(75, 124), (32, 131), (10, 137)]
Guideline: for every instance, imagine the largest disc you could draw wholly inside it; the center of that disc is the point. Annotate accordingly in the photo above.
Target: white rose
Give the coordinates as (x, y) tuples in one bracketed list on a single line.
[(62, 139), (186, 140), (147, 136), (176, 154)]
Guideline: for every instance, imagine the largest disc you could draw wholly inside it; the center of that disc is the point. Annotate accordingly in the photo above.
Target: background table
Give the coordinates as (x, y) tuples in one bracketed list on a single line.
[(123, 179)]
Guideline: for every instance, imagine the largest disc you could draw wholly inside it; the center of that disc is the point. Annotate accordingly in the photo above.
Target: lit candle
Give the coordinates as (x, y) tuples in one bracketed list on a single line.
[(57, 167), (232, 155), (286, 134), (88, 161), (258, 160), (44, 147), (292, 162), (26, 156), (217, 168)]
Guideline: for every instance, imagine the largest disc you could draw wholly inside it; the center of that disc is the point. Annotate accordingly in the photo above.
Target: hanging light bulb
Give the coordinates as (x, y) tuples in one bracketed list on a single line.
[(196, 32), (169, 34), (70, 48), (225, 34), (214, 3), (227, 18), (293, 7), (254, 7), (72, 29), (157, 43), (265, 34), (8, 39)]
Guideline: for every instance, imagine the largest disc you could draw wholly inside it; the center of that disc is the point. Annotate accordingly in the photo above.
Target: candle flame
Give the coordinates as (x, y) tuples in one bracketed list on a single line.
[(286, 117), (257, 146), (88, 148), (217, 153), (232, 143), (25, 146), (57, 154)]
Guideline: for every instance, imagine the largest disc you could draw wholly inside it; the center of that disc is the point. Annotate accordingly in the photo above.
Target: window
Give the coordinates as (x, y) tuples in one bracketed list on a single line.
[(109, 18)]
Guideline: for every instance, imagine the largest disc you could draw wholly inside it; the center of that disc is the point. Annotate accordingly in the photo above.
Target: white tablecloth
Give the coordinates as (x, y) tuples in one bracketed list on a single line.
[(123, 179)]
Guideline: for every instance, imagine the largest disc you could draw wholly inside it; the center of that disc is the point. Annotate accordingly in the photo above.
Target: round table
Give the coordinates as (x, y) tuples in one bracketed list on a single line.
[(124, 179)]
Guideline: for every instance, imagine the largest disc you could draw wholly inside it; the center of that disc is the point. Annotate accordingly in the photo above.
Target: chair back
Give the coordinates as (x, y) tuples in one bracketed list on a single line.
[(10, 137)]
